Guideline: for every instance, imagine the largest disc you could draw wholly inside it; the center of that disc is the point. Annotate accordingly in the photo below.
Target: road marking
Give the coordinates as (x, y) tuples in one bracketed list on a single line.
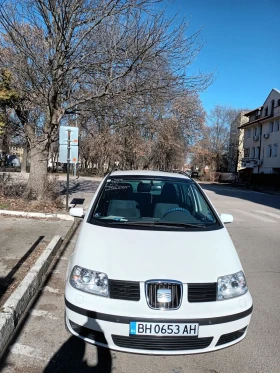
[(254, 216), (39, 313), (25, 350), (268, 213), (51, 290)]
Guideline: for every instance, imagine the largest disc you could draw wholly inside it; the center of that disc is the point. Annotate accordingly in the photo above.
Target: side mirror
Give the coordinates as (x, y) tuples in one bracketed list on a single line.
[(77, 212), (226, 218)]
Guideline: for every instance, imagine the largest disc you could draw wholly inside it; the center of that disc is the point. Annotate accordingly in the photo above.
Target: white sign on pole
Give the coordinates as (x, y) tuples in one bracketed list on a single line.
[(62, 158), (63, 135), (63, 144)]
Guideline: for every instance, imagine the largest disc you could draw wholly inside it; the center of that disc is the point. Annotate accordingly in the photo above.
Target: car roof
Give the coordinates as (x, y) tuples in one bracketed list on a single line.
[(150, 173)]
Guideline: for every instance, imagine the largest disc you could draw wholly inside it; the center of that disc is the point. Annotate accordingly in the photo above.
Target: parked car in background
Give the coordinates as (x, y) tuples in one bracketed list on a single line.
[(186, 173), (60, 167), (154, 269), (194, 174)]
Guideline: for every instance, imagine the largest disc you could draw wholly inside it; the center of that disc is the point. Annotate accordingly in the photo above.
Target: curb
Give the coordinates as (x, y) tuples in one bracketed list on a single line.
[(37, 215), (16, 305)]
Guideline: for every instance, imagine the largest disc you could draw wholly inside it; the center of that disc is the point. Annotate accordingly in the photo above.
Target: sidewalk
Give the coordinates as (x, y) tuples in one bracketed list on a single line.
[(83, 188), (22, 241)]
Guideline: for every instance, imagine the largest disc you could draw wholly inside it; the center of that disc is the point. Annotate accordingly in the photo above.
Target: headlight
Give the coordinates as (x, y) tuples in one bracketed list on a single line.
[(89, 281), (231, 286)]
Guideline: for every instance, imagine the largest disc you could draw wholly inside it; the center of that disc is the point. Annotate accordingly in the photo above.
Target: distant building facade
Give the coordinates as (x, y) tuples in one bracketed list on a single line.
[(235, 154), (261, 144)]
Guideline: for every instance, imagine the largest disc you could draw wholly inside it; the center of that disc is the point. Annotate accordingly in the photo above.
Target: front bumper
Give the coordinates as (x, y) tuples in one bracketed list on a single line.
[(112, 330)]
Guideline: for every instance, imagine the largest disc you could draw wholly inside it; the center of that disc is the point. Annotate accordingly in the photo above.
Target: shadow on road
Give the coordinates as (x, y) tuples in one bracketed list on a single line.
[(79, 186), (269, 200), (70, 358)]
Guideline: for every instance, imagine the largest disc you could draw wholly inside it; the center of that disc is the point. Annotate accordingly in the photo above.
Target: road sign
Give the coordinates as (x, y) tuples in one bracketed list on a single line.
[(63, 135), (63, 154), (68, 151)]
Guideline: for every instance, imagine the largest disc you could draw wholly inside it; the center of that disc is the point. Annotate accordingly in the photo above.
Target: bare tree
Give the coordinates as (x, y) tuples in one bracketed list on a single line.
[(212, 148), (9, 129), (65, 54), (156, 135)]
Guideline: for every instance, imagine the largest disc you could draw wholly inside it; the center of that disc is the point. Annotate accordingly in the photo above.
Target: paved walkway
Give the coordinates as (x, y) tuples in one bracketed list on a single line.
[(22, 241)]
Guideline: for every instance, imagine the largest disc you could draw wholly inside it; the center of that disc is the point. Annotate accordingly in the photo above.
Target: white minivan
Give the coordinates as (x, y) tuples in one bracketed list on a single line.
[(154, 269)]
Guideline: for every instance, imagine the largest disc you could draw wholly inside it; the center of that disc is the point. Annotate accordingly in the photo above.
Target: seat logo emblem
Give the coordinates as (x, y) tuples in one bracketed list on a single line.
[(164, 295)]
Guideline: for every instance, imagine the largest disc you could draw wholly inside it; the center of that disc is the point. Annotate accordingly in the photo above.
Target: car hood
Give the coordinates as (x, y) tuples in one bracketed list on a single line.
[(141, 255)]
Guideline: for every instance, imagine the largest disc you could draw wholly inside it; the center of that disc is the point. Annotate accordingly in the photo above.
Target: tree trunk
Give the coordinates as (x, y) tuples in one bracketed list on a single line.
[(37, 183), (5, 145), (24, 159)]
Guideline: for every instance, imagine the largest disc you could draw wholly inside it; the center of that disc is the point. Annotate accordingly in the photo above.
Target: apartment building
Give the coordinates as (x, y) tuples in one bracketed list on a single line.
[(236, 140), (261, 144)]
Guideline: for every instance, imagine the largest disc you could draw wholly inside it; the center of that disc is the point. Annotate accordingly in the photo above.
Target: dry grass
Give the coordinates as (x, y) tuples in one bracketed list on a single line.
[(13, 197), (21, 204)]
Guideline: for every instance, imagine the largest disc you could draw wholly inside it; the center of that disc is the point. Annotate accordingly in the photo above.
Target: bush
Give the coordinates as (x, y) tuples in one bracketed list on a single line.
[(12, 186)]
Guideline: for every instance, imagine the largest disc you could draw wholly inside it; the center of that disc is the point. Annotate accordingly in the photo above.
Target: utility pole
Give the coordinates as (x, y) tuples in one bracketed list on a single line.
[(75, 164), (68, 151), (68, 168)]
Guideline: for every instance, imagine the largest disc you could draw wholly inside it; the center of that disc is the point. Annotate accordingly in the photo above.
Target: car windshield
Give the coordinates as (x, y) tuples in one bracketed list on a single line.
[(161, 202)]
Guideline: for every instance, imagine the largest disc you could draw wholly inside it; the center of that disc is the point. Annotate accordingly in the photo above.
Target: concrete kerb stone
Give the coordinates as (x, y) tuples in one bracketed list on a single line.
[(6, 330), (40, 215), (15, 306)]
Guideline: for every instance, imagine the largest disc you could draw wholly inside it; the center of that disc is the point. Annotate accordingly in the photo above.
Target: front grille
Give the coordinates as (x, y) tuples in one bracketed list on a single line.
[(202, 292), (125, 290), (88, 333), (230, 337), (163, 344), (176, 289)]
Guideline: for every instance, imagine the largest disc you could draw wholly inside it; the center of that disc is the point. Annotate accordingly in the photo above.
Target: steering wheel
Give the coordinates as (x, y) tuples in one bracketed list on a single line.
[(175, 209)]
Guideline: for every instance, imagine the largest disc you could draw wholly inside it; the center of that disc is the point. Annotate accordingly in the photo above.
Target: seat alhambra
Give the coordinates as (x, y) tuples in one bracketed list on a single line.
[(154, 269)]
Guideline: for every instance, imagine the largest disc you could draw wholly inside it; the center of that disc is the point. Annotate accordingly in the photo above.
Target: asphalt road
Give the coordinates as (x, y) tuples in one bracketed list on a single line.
[(43, 344)]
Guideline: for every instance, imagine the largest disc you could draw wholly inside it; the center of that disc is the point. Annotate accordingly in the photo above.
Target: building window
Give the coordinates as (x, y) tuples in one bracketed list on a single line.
[(247, 152), (270, 127), (278, 102), (274, 150), (269, 151), (248, 133), (257, 153), (253, 153), (272, 108), (255, 131), (276, 125), (266, 112)]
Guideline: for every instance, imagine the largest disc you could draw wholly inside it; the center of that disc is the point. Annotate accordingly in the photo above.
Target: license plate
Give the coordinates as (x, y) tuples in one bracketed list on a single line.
[(161, 329)]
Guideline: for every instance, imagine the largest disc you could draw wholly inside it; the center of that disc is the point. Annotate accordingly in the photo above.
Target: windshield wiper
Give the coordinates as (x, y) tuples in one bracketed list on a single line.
[(160, 223), (127, 222), (179, 224)]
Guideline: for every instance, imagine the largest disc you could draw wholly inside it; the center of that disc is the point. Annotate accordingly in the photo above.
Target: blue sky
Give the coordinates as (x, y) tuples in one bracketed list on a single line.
[(242, 47)]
